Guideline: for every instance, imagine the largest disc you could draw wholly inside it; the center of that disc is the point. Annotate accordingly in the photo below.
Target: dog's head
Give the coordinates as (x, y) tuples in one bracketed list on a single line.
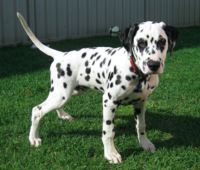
[(147, 43)]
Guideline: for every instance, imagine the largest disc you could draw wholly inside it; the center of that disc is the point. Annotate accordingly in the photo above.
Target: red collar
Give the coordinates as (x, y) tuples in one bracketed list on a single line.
[(133, 65), (134, 68)]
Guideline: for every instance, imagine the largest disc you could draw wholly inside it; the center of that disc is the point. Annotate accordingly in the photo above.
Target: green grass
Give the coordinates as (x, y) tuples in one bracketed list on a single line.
[(172, 114)]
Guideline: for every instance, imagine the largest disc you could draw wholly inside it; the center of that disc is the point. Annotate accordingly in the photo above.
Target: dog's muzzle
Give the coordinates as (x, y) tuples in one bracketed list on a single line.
[(153, 65)]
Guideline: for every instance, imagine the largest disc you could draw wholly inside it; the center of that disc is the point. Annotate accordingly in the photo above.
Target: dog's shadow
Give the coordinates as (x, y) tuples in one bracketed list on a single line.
[(173, 131)]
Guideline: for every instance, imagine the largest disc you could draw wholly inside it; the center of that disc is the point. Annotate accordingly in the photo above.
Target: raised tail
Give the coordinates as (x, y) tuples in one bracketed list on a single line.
[(49, 51)]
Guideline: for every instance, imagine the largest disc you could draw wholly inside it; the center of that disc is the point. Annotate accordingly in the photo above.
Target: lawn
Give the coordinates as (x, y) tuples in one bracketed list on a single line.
[(172, 114)]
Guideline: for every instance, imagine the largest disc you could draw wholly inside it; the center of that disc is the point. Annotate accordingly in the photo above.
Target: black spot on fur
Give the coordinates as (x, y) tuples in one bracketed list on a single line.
[(96, 88), (153, 52), (93, 62), (104, 132), (109, 63), (103, 74), (111, 85), (51, 81), (63, 98), (113, 52), (109, 95), (123, 87), (113, 110), (98, 75), (83, 55), (109, 51), (58, 65), (105, 101), (100, 65), (108, 122), (65, 85), (133, 77), (147, 36), (151, 40), (152, 87), (128, 78), (93, 55), (88, 70), (62, 73), (60, 70), (102, 88), (69, 71), (52, 89), (111, 76), (115, 70), (142, 133), (86, 63), (39, 107), (104, 61), (87, 78), (98, 57), (98, 81), (118, 81)]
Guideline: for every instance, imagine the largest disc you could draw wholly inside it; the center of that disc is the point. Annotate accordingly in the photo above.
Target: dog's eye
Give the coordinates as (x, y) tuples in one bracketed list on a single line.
[(142, 44), (161, 43)]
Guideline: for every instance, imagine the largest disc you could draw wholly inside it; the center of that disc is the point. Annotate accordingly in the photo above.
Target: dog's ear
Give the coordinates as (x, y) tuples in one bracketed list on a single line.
[(126, 36), (172, 34)]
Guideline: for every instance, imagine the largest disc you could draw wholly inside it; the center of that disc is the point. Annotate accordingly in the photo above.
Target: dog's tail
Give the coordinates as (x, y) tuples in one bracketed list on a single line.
[(51, 52)]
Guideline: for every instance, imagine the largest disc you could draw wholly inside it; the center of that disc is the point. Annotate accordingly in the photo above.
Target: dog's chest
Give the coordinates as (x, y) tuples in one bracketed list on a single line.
[(134, 91)]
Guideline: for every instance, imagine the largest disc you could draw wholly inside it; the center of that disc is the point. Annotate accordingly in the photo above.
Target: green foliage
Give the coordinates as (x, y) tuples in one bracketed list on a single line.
[(172, 114)]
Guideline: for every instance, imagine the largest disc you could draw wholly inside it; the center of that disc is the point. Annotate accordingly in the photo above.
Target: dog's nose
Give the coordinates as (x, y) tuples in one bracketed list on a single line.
[(153, 65)]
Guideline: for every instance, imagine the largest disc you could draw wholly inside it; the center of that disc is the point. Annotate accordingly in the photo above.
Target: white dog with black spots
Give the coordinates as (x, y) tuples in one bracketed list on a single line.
[(126, 76)]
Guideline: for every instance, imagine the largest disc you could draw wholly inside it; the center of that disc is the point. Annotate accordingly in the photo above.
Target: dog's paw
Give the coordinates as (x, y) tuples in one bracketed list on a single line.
[(148, 147), (113, 157), (36, 142), (67, 118)]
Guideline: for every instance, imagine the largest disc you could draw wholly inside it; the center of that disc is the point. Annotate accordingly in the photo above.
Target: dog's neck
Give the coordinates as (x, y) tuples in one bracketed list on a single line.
[(136, 70)]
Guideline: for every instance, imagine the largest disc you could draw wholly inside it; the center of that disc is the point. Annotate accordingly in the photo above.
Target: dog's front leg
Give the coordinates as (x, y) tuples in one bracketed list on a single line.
[(110, 153), (139, 112)]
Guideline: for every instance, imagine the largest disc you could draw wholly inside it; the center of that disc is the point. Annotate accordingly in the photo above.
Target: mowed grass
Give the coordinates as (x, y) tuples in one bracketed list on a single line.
[(172, 114)]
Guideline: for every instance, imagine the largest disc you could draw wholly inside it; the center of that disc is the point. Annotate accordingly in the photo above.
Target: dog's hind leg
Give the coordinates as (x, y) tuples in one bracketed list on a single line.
[(55, 101), (62, 114)]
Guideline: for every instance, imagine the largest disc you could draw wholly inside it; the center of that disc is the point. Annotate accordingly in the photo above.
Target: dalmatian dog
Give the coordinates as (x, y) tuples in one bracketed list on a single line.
[(126, 76)]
